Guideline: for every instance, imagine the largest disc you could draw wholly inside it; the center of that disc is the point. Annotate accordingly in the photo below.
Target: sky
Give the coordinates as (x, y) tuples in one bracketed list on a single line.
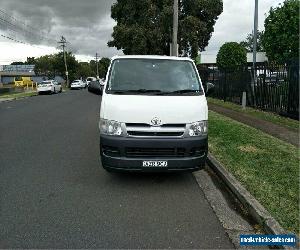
[(87, 26)]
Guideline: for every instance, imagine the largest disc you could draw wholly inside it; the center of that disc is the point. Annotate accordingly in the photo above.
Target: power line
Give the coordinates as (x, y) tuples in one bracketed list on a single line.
[(21, 26), (19, 41), (8, 22)]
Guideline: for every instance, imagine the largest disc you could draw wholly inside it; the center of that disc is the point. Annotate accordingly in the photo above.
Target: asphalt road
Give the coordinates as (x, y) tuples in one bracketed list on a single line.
[(54, 193)]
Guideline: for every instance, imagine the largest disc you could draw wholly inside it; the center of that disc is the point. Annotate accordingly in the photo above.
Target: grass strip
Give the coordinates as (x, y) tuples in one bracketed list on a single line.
[(266, 166), (267, 116), (18, 95)]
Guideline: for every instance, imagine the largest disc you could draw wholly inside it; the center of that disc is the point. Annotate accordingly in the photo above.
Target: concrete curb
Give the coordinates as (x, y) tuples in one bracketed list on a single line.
[(9, 99), (6, 99), (255, 209)]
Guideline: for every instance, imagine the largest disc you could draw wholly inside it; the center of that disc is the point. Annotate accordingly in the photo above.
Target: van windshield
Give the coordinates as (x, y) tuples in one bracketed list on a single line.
[(153, 77)]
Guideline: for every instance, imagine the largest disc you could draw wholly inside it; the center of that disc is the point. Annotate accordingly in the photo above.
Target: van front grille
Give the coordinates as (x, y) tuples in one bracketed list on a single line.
[(146, 130)]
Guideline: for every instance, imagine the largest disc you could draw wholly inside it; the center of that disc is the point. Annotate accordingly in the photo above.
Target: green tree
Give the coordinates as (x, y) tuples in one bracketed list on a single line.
[(145, 26), (281, 37), (84, 70), (17, 63), (248, 43), (103, 66), (93, 67), (44, 65), (231, 56), (59, 65), (52, 65), (30, 60)]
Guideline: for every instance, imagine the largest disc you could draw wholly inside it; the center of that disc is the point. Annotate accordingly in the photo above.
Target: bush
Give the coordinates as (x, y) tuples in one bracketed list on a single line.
[(231, 56)]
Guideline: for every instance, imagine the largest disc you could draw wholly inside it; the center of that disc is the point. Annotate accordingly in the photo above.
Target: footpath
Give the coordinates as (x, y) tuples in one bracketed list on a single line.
[(283, 133)]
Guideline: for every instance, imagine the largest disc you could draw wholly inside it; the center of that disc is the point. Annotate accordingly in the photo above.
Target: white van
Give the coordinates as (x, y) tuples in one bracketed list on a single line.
[(153, 115)]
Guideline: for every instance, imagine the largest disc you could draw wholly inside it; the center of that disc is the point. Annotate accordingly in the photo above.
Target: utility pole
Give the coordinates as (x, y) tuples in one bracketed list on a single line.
[(255, 34), (175, 29), (63, 45), (254, 47), (97, 57)]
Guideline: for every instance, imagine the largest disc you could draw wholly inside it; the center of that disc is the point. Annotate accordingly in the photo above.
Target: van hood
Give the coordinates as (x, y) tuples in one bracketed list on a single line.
[(143, 108)]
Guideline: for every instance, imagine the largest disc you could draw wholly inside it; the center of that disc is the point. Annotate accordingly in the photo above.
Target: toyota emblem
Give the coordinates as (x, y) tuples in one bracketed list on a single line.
[(155, 121)]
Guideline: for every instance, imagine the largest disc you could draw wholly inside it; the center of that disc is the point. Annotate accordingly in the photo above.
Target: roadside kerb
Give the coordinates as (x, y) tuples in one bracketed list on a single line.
[(9, 99), (6, 99), (254, 208)]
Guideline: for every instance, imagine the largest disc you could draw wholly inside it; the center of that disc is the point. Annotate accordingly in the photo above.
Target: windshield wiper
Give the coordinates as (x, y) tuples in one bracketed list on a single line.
[(145, 90), (136, 91), (181, 91)]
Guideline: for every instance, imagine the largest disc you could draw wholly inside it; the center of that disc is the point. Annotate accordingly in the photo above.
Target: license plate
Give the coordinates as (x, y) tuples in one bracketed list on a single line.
[(156, 164)]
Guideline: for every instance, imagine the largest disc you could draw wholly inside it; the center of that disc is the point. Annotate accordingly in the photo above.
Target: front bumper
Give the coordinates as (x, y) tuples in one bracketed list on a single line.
[(44, 89), (128, 153), (76, 87)]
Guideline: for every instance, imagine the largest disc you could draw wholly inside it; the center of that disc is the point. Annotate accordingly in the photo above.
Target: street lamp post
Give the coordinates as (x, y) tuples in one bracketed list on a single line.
[(255, 33), (175, 29)]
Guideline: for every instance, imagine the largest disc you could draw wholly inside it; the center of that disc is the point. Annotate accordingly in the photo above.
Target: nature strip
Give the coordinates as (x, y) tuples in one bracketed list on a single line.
[(255, 209)]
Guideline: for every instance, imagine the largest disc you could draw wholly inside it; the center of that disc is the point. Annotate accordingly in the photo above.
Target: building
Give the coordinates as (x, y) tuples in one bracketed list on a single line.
[(211, 58), (9, 72)]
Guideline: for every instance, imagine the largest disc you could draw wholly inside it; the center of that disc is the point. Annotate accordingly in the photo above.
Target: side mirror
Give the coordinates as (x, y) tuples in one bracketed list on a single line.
[(209, 88)]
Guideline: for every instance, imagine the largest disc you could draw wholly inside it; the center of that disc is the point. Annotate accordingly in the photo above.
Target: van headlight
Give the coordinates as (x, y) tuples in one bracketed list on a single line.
[(198, 128), (108, 127)]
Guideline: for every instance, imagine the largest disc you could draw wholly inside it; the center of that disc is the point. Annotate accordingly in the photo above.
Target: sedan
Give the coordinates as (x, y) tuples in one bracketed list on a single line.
[(49, 86), (78, 84)]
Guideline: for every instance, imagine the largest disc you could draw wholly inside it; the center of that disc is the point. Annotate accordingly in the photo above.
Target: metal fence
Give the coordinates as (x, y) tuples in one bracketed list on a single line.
[(269, 87)]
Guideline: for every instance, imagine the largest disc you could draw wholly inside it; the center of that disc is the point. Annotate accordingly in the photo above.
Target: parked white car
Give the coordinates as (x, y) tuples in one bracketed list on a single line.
[(78, 84), (49, 86)]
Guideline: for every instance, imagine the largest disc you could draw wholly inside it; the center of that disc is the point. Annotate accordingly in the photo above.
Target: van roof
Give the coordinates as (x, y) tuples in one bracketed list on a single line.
[(152, 57)]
